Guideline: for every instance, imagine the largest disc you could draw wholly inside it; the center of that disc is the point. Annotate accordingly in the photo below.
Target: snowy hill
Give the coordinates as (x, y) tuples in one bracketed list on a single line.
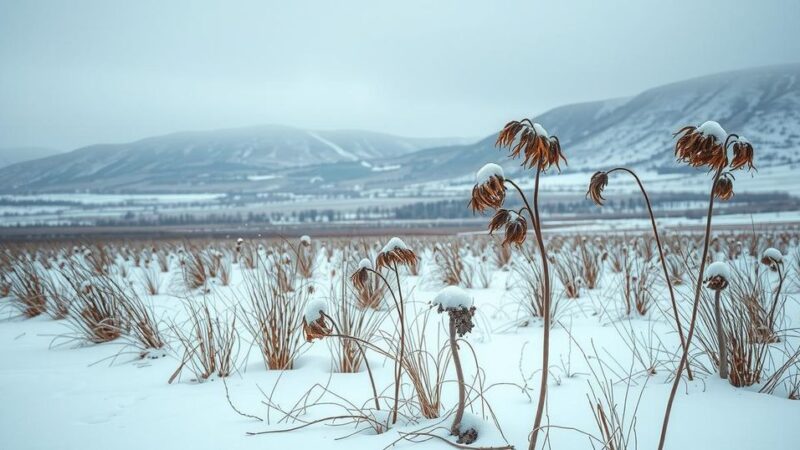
[(13, 155), (203, 157), (762, 104)]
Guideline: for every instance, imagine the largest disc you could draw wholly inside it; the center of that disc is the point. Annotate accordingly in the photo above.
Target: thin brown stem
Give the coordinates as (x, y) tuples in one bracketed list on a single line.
[(537, 228), (455, 429), (398, 362), (723, 348), (693, 321), (663, 259)]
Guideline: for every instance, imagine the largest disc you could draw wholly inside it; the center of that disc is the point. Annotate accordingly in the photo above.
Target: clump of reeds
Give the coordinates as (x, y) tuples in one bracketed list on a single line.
[(210, 345), (27, 288), (274, 317), (450, 269)]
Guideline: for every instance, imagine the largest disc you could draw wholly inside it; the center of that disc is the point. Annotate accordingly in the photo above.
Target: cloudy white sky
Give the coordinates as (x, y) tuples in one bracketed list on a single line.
[(74, 73)]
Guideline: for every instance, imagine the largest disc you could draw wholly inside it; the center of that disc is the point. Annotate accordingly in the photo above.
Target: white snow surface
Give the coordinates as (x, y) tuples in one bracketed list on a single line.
[(82, 394), (488, 171), (712, 128), (365, 263), (394, 243), (453, 297), (539, 129), (718, 269)]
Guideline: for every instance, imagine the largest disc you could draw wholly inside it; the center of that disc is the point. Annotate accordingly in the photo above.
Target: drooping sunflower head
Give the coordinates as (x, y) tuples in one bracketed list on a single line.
[(530, 141), (489, 191), (597, 184), (702, 146), (395, 252)]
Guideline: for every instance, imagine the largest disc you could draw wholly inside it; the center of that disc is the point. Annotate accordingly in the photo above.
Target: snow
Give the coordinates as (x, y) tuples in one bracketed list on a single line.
[(394, 243), (773, 254), (314, 310), (365, 263), (82, 395), (711, 128), (718, 269), (488, 171), (305, 239), (539, 129), (453, 297), (342, 152)]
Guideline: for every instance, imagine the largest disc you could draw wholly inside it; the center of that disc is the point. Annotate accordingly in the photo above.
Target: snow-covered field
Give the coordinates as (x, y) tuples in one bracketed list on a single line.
[(58, 390)]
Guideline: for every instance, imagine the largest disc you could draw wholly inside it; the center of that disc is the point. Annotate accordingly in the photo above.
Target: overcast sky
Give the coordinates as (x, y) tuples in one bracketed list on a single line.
[(74, 73)]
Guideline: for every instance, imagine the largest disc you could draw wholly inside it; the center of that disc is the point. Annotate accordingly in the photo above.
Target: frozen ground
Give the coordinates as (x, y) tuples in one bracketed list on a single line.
[(57, 394)]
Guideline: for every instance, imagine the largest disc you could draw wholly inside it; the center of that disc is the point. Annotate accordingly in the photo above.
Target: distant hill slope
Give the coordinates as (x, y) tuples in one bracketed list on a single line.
[(13, 155), (762, 104), (203, 157)]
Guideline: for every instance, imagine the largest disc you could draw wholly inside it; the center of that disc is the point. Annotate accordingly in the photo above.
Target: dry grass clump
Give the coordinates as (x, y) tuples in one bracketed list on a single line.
[(194, 268), (450, 270), (530, 287), (274, 316), (351, 320), (151, 280), (26, 286), (210, 346), (96, 311), (568, 270), (426, 369)]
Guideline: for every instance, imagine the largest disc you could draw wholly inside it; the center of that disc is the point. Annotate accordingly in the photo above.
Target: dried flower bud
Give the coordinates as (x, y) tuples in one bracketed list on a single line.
[(530, 140), (742, 153), (516, 230), (717, 275), (723, 188), (597, 184), (772, 258), (702, 146), (395, 252), (489, 191)]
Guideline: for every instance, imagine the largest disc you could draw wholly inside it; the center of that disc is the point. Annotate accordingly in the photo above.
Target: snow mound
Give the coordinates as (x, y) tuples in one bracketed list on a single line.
[(773, 254), (453, 297), (314, 310), (539, 129), (714, 129), (394, 243), (718, 269), (488, 171)]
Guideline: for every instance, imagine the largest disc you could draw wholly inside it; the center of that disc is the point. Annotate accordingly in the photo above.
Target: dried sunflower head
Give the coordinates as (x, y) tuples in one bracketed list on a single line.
[(723, 188), (597, 184), (489, 191), (531, 141), (702, 146), (395, 252)]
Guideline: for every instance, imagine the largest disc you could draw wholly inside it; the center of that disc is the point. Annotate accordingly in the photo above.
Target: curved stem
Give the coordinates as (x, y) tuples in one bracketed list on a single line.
[(663, 259), (723, 347), (524, 199), (698, 287), (771, 316), (546, 312), (456, 427), (363, 356)]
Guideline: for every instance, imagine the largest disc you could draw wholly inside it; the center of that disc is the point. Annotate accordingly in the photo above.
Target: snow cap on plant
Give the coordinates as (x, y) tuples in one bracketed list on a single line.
[(531, 141), (360, 276), (597, 184), (723, 188), (395, 252), (717, 275), (489, 191), (305, 240), (459, 306), (314, 324), (771, 258)]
